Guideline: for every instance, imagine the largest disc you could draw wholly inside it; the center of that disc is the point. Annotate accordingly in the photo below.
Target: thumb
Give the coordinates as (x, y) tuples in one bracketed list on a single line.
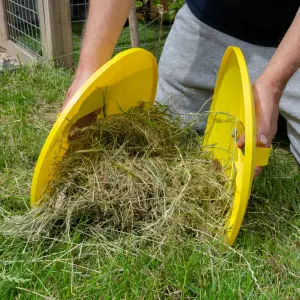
[(262, 138), (264, 126)]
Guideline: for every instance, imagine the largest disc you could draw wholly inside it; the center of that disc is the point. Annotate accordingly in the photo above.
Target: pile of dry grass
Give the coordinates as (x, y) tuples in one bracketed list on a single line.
[(140, 173)]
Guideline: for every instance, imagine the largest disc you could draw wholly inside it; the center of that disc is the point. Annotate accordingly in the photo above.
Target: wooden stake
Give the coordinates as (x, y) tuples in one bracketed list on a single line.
[(4, 36), (165, 5), (134, 28), (56, 31)]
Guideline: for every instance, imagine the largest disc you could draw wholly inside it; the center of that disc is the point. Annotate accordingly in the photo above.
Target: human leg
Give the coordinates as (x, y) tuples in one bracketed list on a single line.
[(190, 62)]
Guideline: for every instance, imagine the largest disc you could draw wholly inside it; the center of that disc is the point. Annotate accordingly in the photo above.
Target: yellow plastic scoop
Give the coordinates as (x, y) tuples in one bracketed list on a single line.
[(130, 78), (231, 115), (125, 81)]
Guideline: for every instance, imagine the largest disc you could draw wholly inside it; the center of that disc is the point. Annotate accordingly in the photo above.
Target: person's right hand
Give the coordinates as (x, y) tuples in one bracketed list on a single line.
[(266, 101), (82, 75)]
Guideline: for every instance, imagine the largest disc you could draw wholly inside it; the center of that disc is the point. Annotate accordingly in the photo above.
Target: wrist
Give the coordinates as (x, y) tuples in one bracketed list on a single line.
[(275, 88), (94, 56), (275, 82), (84, 71), (85, 67), (274, 79)]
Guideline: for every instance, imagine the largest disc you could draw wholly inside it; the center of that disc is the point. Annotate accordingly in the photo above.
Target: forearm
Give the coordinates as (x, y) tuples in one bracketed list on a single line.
[(286, 59), (104, 25)]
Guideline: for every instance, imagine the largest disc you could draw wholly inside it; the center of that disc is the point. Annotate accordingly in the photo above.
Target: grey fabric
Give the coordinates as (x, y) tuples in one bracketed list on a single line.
[(189, 64)]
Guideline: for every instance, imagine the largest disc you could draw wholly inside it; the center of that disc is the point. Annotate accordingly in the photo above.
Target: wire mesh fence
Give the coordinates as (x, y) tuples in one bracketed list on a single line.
[(23, 24), (79, 10), (152, 37), (43, 28)]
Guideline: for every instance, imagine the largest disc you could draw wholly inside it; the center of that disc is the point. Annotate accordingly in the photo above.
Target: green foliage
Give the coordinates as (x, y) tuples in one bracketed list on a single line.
[(168, 15), (174, 8), (138, 4)]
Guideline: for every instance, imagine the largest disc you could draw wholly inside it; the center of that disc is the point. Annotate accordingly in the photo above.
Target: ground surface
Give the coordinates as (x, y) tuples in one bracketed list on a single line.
[(7, 62), (263, 264)]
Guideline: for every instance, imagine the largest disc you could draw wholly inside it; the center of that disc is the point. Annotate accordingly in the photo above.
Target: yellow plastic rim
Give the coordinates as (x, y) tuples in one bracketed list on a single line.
[(125, 81), (231, 115)]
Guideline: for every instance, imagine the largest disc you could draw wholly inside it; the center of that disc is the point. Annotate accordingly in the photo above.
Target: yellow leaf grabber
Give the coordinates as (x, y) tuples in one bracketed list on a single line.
[(130, 78)]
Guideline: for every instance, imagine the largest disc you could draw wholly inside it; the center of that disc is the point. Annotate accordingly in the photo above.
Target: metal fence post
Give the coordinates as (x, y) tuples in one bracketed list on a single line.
[(56, 31), (3, 26)]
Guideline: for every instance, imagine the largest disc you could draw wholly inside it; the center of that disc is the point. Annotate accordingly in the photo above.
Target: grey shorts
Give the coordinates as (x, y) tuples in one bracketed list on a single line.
[(189, 64)]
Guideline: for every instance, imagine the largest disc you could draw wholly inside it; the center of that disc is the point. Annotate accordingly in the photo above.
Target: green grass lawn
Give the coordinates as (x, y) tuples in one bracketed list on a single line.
[(264, 262)]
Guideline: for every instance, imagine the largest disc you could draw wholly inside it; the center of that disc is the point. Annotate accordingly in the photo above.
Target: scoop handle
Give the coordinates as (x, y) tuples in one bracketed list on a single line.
[(261, 156)]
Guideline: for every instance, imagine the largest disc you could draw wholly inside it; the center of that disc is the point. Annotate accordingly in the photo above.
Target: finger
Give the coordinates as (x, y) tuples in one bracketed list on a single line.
[(262, 138), (257, 171), (241, 141), (83, 122), (266, 129)]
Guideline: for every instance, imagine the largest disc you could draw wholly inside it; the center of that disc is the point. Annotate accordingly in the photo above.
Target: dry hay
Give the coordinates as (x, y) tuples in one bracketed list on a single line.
[(140, 173)]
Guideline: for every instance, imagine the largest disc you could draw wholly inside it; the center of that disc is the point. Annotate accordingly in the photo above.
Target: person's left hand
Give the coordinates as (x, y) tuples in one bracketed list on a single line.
[(266, 101)]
